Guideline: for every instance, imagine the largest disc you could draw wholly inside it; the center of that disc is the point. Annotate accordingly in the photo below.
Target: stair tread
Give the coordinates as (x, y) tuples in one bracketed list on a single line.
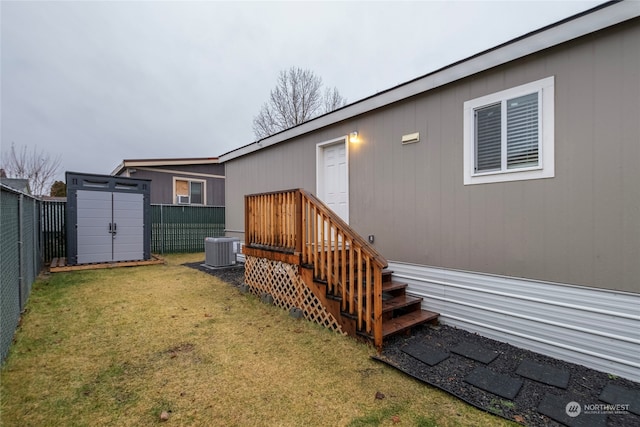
[(399, 302), (406, 321), (392, 286), (409, 313), (386, 275)]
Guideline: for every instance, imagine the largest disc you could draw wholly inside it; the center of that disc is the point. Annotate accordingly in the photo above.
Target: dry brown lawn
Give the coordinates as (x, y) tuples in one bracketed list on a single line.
[(118, 347)]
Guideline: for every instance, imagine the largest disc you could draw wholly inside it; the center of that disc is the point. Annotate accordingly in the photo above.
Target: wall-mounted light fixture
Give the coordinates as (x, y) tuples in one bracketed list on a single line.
[(353, 137)]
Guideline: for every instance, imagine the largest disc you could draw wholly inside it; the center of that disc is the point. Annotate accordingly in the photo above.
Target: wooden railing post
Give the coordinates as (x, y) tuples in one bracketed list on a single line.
[(247, 221), (377, 307), (299, 235), (368, 292)]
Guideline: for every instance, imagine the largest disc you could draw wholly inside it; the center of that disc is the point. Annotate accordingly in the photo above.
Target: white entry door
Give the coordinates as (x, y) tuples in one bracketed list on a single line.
[(333, 176)]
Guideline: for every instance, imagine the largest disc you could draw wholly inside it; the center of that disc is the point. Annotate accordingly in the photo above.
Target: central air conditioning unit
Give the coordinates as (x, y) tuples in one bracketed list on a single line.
[(220, 251)]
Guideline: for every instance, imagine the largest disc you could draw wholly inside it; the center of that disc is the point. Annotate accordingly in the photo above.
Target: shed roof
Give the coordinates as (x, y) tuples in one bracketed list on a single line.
[(597, 18)]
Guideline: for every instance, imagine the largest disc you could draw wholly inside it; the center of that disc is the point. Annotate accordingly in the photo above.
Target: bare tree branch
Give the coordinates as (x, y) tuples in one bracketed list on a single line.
[(297, 97), (333, 100), (37, 166)]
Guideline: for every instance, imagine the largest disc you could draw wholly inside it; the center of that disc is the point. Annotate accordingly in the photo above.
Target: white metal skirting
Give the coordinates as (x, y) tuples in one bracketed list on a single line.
[(596, 328)]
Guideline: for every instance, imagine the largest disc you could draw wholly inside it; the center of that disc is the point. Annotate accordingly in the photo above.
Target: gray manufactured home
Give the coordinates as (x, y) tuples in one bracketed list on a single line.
[(504, 188)]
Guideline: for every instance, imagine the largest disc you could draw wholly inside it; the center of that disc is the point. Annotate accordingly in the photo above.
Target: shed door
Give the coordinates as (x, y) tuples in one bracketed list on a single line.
[(333, 182), (94, 217), (110, 226), (128, 239)]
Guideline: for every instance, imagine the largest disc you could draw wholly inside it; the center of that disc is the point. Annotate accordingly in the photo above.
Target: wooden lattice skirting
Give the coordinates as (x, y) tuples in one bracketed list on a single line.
[(283, 282)]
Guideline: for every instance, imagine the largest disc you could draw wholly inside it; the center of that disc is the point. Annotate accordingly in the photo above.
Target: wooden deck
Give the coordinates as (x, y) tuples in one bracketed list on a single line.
[(60, 264)]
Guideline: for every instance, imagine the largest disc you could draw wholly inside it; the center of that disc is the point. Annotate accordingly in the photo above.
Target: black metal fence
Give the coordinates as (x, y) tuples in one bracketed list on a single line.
[(53, 226)]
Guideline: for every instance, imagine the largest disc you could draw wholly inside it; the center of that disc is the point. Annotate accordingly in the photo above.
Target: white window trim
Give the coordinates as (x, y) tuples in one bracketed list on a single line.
[(190, 180), (546, 166)]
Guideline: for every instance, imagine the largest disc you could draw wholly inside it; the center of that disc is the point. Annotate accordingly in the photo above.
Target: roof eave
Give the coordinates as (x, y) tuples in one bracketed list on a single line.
[(132, 163)]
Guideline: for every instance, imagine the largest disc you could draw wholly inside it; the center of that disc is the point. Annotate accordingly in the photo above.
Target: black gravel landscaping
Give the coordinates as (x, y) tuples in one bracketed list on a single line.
[(233, 275), (516, 384), (519, 385)]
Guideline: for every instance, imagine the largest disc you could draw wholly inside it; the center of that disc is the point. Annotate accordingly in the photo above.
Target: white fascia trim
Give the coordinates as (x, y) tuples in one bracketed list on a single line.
[(580, 26), (164, 162), (118, 169), (170, 162)]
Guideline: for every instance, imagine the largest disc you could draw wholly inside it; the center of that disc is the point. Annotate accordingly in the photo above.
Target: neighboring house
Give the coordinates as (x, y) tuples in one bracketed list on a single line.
[(504, 188), (20, 184), (189, 181)]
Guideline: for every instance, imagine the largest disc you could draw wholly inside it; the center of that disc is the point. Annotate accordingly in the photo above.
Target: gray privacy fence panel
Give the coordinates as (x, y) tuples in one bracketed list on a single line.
[(20, 258), (52, 219), (184, 228), (30, 253), (9, 269)]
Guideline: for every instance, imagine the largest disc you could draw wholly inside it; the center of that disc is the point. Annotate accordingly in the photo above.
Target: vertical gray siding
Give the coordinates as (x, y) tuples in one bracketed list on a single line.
[(285, 166), (580, 227)]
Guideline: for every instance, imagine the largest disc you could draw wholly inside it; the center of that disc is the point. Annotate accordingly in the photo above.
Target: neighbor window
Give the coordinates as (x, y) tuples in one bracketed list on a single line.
[(508, 135), (189, 192)]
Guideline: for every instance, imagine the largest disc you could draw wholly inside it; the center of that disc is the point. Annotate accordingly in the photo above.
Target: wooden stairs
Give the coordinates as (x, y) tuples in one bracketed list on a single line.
[(345, 273), (400, 312)]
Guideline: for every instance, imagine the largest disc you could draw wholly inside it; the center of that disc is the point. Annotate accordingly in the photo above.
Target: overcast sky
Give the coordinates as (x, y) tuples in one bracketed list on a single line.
[(99, 82)]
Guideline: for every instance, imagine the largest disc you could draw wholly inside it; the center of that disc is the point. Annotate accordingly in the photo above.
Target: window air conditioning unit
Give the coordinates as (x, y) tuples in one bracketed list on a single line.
[(220, 251), (183, 200)]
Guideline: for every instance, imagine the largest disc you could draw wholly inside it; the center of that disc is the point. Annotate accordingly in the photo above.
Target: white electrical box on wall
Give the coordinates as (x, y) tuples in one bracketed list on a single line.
[(410, 138)]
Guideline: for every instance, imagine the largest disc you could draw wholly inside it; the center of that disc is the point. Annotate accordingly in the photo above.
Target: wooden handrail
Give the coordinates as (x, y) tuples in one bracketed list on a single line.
[(339, 222), (296, 221)]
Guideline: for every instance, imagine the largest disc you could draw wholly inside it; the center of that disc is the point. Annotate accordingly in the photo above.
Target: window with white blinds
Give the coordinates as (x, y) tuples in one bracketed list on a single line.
[(523, 128), (488, 138), (509, 134)]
